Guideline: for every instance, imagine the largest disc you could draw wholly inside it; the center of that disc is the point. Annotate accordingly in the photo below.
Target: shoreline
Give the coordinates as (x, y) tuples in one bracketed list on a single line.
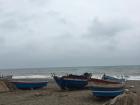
[(98, 76), (53, 95)]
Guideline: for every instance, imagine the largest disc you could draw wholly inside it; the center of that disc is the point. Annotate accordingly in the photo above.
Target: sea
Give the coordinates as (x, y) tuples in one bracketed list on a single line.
[(129, 72)]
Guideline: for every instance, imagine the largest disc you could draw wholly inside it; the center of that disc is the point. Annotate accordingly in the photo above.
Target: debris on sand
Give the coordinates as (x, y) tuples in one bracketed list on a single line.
[(128, 98), (3, 86)]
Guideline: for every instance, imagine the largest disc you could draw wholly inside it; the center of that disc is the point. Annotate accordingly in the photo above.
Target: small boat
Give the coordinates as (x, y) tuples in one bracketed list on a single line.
[(29, 84), (65, 82), (113, 79), (107, 90)]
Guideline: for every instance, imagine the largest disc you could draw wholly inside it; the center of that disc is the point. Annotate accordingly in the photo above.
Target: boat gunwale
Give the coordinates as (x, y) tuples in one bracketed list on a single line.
[(70, 78), (73, 79), (95, 80), (33, 82)]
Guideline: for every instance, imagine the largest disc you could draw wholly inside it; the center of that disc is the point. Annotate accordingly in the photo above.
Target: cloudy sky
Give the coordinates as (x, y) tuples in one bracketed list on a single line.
[(51, 33)]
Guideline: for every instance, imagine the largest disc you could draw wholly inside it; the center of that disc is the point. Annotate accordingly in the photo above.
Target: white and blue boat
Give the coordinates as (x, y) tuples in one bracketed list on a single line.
[(107, 90)]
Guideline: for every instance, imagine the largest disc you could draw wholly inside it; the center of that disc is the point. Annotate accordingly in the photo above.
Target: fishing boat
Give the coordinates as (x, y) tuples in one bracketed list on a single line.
[(66, 82), (113, 79), (107, 90), (29, 84)]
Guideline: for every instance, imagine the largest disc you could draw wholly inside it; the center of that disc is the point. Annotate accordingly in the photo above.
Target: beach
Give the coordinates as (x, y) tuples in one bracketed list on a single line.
[(53, 95)]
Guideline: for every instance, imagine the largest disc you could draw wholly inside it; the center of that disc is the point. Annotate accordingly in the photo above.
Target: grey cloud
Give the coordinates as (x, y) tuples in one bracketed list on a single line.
[(39, 2), (102, 30), (58, 16), (36, 33), (8, 25), (2, 40), (105, 33)]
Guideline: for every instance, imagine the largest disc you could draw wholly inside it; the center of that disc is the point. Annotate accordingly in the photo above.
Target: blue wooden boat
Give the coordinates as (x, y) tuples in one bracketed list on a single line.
[(70, 83), (113, 79), (107, 90), (29, 84)]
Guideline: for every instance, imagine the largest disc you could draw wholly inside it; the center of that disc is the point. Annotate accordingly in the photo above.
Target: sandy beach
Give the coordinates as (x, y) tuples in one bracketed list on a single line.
[(52, 95)]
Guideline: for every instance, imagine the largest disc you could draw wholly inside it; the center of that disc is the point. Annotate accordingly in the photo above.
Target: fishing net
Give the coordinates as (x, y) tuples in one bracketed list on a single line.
[(128, 98)]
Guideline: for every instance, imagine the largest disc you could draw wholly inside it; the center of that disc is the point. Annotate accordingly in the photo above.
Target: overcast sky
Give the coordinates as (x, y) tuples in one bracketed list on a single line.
[(51, 33)]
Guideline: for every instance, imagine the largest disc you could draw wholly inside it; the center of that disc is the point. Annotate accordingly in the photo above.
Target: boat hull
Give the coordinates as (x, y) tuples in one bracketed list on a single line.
[(30, 85), (107, 90), (107, 93), (107, 87), (69, 83)]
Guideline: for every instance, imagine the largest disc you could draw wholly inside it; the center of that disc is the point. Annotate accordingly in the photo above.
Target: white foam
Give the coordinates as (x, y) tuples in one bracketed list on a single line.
[(119, 77), (133, 78), (32, 77), (98, 76)]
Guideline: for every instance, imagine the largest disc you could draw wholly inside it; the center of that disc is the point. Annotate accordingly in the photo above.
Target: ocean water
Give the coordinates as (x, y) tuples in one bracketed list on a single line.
[(129, 72)]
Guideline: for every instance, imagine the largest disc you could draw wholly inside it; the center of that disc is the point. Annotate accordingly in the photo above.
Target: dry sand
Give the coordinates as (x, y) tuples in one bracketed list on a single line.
[(52, 95)]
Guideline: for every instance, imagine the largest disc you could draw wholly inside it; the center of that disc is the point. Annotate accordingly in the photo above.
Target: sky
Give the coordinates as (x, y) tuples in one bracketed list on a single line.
[(57, 33)]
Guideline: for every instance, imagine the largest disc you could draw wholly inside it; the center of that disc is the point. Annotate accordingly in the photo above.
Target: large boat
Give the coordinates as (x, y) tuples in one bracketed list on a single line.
[(72, 82)]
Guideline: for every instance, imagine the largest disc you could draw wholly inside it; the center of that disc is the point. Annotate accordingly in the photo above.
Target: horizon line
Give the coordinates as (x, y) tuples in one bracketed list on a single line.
[(67, 66)]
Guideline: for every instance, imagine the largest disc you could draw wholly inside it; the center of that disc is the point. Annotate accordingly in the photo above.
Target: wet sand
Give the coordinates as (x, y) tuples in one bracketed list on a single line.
[(52, 95)]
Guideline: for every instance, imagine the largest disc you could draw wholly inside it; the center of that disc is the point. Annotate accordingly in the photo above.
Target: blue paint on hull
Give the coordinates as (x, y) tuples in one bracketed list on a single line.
[(106, 88), (107, 93), (70, 83), (31, 85)]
